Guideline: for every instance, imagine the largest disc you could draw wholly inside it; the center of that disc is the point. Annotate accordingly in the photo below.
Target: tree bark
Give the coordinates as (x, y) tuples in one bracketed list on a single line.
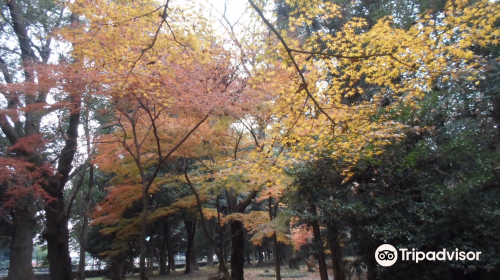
[(238, 250), (277, 267), (371, 273), (170, 251), (211, 247), (142, 255), (238, 234), (57, 236), (222, 245), (85, 223), (163, 250), (151, 254), (57, 233), (163, 262), (21, 249), (337, 262), (191, 231), (320, 255), (194, 253)]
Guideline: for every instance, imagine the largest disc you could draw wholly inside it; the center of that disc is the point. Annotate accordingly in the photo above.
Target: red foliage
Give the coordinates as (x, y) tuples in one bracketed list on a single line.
[(27, 145), (301, 235), (23, 180)]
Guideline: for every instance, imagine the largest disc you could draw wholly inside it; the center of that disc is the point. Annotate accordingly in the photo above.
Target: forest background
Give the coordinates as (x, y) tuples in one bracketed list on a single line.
[(305, 129)]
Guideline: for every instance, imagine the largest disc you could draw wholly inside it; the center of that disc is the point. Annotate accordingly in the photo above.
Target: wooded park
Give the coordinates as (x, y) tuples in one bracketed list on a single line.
[(168, 139)]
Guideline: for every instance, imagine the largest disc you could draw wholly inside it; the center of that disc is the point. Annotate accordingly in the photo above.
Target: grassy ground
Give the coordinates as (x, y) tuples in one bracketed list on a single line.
[(258, 273)]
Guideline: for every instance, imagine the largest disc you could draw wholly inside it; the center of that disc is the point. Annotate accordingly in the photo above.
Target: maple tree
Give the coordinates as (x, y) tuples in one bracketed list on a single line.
[(165, 95)]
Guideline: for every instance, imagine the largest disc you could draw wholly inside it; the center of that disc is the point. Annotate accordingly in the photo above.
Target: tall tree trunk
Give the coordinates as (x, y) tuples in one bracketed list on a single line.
[(151, 254), (163, 251), (170, 251), (57, 236), (191, 231), (222, 245), (237, 233), (337, 262), (317, 240), (163, 262), (56, 232), (85, 223), (142, 255), (194, 254), (211, 248), (277, 267), (238, 250), (22, 243), (371, 273)]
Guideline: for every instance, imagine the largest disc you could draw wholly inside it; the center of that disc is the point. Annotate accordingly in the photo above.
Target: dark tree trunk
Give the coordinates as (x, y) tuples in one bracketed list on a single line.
[(320, 255), (117, 270), (191, 231), (227, 243), (277, 263), (371, 270), (238, 250), (211, 248), (151, 254), (163, 250), (237, 233), (337, 262), (121, 269), (22, 244), (170, 251), (163, 261), (276, 256), (57, 233), (57, 236), (142, 255), (194, 254), (85, 223), (222, 243)]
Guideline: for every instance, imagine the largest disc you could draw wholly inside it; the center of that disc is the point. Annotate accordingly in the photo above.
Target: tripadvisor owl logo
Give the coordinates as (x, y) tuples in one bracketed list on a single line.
[(387, 255)]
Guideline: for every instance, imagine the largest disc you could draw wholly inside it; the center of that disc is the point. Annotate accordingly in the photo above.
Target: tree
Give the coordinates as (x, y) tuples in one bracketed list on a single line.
[(341, 108), (28, 92), (183, 86)]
